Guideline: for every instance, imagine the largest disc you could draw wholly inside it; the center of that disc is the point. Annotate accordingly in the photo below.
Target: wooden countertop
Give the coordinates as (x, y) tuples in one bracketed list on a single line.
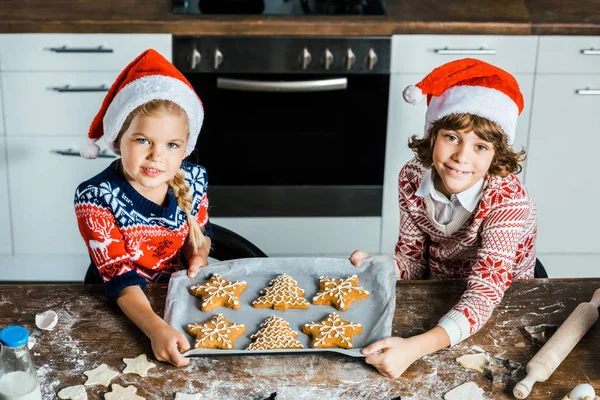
[(511, 17), (90, 333)]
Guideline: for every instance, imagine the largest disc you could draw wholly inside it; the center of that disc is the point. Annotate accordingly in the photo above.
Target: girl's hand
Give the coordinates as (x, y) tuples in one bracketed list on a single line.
[(165, 341), (358, 256), (196, 259), (393, 355)]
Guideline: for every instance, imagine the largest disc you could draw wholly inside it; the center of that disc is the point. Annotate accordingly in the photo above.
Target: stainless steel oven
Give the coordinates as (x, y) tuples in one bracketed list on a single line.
[(294, 127)]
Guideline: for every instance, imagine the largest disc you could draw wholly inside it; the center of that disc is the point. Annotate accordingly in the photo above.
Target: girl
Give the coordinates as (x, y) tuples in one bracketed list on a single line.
[(464, 213), (143, 217)]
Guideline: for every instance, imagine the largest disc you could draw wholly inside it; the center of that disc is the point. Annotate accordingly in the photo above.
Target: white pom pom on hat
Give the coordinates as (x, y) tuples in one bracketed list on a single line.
[(413, 95), (90, 150)]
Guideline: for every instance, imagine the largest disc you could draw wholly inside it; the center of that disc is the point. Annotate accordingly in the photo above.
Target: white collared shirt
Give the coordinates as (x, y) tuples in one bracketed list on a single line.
[(446, 210)]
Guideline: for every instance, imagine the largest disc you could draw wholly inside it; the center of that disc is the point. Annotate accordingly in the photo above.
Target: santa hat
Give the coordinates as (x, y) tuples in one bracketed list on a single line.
[(469, 86), (149, 77)]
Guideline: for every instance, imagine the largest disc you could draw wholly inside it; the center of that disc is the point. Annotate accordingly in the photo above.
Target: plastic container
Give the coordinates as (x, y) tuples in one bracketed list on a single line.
[(18, 378)]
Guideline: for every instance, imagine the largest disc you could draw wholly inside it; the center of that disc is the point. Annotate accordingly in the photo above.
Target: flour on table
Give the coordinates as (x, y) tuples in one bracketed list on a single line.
[(466, 391), (183, 396), (122, 393), (139, 365), (474, 361), (73, 393), (101, 375)]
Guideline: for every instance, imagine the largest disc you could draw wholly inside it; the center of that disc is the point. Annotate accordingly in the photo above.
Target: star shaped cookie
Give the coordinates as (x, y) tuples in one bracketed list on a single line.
[(219, 292), (101, 375), (139, 365), (339, 293), (122, 393), (217, 333), (333, 331)]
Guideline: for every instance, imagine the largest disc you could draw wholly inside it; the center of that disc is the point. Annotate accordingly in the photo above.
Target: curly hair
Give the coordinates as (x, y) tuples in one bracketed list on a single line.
[(506, 161)]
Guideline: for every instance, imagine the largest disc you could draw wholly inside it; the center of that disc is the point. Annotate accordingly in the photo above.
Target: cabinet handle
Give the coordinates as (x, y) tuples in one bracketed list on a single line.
[(70, 152), (79, 89), (588, 92), (590, 52), (67, 49), (480, 51)]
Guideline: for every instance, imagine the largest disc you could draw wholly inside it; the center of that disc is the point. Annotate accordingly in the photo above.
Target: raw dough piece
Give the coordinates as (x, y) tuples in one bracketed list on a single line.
[(466, 391), (283, 293), (339, 293), (218, 292), (274, 333), (122, 393), (139, 365), (183, 396), (333, 331), (101, 375), (73, 393), (217, 333), (474, 361)]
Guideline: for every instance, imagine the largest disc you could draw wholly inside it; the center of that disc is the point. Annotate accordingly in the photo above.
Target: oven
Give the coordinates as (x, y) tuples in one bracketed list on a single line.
[(294, 127)]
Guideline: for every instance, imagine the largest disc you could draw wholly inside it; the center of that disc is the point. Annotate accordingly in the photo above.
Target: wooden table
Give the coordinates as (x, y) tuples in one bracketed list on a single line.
[(90, 333)]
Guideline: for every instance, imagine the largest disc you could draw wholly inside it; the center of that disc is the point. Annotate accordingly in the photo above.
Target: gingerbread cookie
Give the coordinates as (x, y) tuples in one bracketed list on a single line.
[(217, 333), (283, 293), (275, 333), (333, 331), (218, 292), (340, 293)]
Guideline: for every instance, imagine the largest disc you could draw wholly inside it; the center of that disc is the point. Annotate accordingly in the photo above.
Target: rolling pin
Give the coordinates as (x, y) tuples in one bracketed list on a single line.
[(543, 364)]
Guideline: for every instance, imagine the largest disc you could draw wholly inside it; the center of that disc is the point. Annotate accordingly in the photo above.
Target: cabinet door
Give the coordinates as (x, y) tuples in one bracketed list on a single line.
[(42, 186), (5, 234), (562, 169), (406, 120), (52, 103)]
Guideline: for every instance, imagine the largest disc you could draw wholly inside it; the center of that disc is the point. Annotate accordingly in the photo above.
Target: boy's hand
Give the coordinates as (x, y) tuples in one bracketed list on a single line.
[(393, 355), (165, 341), (358, 256), (196, 259)]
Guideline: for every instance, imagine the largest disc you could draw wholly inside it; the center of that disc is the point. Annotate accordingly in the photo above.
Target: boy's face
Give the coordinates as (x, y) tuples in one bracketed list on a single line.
[(152, 149), (460, 159)]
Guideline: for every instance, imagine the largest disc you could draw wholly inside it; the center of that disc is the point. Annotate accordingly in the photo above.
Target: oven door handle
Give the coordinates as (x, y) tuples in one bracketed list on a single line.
[(321, 85)]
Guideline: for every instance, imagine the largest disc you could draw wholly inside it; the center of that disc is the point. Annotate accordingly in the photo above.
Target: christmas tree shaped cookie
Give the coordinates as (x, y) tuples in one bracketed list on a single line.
[(217, 333), (218, 292), (283, 293), (333, 331), (275, 333), (340, 293)]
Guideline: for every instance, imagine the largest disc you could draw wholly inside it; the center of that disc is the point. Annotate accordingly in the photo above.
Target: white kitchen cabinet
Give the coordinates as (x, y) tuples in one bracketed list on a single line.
[(42, 187), (569, 55), (5, 225), (561, 174), (414, 54), (52, 103)]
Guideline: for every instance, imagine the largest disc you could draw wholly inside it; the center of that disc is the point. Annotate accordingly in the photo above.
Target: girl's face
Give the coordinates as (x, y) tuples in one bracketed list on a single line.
[(152, 149), (460, 159)]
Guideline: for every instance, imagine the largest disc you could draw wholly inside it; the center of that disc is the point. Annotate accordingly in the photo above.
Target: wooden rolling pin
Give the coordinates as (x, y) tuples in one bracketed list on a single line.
[(543, 364)]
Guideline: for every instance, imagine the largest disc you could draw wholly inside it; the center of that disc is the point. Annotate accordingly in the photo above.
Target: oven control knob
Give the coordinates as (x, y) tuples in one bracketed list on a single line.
[(327, 58), (371, 59), (350, 59), (218, 58), (305, 58), (194, 58)]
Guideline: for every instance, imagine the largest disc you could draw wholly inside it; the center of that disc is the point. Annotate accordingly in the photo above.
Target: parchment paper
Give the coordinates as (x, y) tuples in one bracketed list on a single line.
[(377, 275)]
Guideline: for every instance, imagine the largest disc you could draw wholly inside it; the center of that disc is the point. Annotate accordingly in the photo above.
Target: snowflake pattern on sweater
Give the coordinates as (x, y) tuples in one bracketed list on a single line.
[(488, 248), (130, 236)]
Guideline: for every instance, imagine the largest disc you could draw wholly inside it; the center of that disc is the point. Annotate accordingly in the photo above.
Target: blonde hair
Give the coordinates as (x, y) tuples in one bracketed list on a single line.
[(506, 161), (180, 187)]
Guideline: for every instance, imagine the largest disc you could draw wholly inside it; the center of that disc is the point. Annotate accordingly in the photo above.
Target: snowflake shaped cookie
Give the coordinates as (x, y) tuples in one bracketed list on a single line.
[(122, 393), (217, 333), (283, 293), (333, 331), (139, 365), (340, 293), (218, 292), (275, 333)]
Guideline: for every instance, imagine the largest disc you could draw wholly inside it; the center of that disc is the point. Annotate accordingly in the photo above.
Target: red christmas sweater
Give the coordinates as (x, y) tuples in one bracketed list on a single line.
[(488, 248)]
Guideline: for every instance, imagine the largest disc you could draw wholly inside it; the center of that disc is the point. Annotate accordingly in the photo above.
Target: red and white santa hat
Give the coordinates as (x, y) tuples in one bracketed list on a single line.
[(149, 77), (469, 86)]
